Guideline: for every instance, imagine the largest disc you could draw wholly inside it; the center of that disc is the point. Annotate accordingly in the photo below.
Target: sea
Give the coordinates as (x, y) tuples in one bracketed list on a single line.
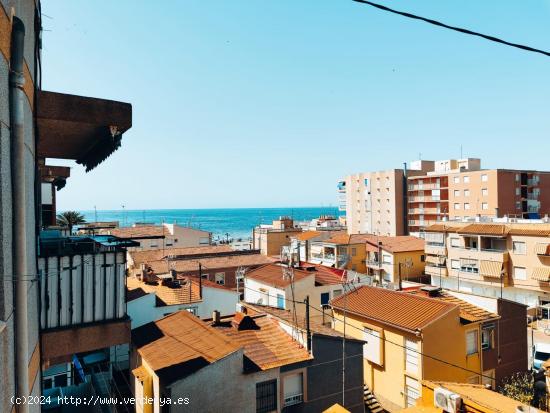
[(235, 223)]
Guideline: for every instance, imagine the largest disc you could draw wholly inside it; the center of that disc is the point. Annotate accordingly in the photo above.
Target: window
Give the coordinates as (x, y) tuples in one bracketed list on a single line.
[(484, 205), (219, 277), (484, 178), (325, 298), (353, 252), (487, 337), (411, 356), (455, 242), (519, 247), (457, 192), (471, 342), (469, 265), (518, 205), (366, 182), (517, 177), (47, 383), (422, 258), (466, 179), (456, 179), (457, 205), (266, 396), (204, 276), (293, 389), (336, 293), (466, 205), (153, 246), (484, 192), (520, 273), (372, 349), (466, 192), (518, 191), (60, 380), (386, 259), (455, 264)]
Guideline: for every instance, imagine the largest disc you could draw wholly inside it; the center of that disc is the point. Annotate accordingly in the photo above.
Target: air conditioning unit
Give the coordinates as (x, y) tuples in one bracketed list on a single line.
[(447, 400)]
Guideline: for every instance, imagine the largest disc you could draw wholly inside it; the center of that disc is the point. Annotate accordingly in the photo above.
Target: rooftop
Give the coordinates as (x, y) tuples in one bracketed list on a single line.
[(186, 293), (265, 344), (307, 235), (209, 263), (272, 274), (401, 310), (180, 344), (495, 229), (402, 243), (146, 231), (343, 238), (140, 257)]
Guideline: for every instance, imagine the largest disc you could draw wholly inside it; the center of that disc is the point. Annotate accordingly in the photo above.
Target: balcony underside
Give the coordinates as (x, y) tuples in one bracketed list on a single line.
[(59, 345)]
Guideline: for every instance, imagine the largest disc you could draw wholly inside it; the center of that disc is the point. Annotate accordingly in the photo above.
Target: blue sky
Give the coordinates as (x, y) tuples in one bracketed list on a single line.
[(258, 103)]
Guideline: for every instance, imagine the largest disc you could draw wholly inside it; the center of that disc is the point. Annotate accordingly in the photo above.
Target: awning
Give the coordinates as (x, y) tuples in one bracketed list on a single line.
[(490, 268), (141, 373), (541, 273), (542, 249), (84, 129)]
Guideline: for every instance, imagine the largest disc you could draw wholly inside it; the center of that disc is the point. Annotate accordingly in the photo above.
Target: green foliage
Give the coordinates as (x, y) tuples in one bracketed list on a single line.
[(520, 387), (69, 219)]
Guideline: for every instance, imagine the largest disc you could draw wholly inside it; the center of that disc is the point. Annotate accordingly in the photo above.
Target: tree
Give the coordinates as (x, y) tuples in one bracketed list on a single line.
[(69, 219), (521, 387)]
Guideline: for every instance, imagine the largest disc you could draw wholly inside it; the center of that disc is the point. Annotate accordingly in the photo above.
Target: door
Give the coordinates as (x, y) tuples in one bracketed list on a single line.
[(412, 391), (280, 301), (325, 297)]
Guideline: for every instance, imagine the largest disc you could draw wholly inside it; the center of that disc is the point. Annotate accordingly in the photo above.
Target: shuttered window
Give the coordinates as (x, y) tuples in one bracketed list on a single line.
[(293, 389), (266, 396), (372, 349), (411, 356), (471, 342)]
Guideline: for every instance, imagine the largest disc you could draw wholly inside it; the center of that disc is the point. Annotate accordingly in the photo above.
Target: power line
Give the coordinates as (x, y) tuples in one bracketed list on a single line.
[(382, 338), (457, 29)]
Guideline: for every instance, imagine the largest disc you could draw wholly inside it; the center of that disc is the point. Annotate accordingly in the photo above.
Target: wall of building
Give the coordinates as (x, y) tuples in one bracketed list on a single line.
[(24, 9), (270, 242), (391, 268)]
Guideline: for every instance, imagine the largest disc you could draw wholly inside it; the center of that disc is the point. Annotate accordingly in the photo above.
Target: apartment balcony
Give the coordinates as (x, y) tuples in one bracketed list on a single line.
[(480, 254), (425, 211), (439, 250), (373, 264), (83, 294), (437, 270)]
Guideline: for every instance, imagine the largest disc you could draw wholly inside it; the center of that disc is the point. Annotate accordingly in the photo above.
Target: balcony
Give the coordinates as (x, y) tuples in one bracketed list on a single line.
[(374, 264), (440, 271), (483, 254), (83, 293), (435, 249)]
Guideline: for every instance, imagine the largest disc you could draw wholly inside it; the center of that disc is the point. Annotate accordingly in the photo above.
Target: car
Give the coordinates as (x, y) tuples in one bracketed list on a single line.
[(541, 354)]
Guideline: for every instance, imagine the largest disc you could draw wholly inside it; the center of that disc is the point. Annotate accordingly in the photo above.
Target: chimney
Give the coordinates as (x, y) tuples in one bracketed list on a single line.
[(431, 291), (215, 317)]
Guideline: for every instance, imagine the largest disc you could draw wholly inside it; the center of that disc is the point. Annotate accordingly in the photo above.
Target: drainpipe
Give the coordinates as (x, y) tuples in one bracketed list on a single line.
[(17, 120)]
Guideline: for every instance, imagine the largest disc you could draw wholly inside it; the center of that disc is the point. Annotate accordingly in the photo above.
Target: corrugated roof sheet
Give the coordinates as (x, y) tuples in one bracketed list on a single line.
[(399, 309)]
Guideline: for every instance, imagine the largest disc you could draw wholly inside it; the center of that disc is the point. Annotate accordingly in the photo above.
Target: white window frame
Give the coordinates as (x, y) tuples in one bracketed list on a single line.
[(484, 178), (484, 192), (521, 274), (219, 276), (519, 251)]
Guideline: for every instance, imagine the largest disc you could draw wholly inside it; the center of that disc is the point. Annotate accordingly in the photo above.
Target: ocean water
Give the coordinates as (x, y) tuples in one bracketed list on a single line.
[(237, 222)]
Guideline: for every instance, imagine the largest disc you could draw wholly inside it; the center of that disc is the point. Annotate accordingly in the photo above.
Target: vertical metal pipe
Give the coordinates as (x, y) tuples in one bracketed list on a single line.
[(17, 128)]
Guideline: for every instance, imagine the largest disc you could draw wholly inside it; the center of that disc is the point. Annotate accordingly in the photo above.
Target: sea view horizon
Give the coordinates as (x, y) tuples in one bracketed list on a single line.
[(237, 222)]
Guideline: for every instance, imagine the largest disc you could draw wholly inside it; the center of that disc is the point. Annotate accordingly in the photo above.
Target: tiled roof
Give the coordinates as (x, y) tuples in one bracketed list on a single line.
[(180, 344), (209, 264), (403, 243), (485, 229), (481, 396), (326, 276), (187, 293), (267, 345), (468, 312), (288, 318), (306, 235), (541, 230), (344, 238), (154, 255), (140, 231), (398, 309), (441, 228), (272, 274)]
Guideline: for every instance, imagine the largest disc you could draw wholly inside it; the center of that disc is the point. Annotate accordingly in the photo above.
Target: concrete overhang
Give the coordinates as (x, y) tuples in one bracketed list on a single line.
[(80, 128)]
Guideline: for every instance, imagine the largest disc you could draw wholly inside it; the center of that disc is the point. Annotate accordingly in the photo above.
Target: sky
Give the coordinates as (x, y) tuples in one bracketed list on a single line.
[(267, 103)]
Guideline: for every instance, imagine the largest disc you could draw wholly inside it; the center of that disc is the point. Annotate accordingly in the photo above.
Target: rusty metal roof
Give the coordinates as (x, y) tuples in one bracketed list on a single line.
[(401, 310)]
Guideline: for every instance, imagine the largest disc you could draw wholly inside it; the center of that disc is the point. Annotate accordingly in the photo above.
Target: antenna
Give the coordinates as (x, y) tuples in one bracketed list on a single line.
[(461, 152), (288, 274)]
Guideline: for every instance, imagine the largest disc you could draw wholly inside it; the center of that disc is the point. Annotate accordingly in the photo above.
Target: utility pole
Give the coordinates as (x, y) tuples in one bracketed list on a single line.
[(200, 280), (308, 331)]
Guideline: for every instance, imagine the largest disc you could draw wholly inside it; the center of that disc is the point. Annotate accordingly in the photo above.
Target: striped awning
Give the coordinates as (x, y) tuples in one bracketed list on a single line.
[(490, 268), (542, 249), (541, 273)]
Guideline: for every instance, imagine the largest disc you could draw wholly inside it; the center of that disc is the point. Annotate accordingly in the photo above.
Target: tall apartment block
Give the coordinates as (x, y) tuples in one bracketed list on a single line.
[(375, 202), (459, 190)]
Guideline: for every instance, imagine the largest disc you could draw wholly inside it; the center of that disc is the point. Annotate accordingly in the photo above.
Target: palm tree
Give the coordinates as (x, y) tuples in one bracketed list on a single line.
[(69, 219)]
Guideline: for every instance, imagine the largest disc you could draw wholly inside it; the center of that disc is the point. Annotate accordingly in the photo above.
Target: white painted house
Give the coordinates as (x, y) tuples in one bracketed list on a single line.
[(269, 286)]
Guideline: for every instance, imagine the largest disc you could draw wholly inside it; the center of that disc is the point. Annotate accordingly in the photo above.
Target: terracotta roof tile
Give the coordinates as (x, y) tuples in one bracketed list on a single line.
[(140, 257), (399, 309), (209, 263), (306, 235), (268, 345), (272, 274), (487, 229), (187, 293), (180, 344), (343, 238), (402, 243)]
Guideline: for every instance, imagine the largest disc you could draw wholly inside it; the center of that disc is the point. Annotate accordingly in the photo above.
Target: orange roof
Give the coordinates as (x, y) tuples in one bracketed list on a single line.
[(344, 238), (484, 229), (209, 263), (187, 293), (180, 344), (265, 343), (403, 243), (154, 255), (140, 231), (306, 235), (398, 309), (272, 274), (468, 312), (441, 228)]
